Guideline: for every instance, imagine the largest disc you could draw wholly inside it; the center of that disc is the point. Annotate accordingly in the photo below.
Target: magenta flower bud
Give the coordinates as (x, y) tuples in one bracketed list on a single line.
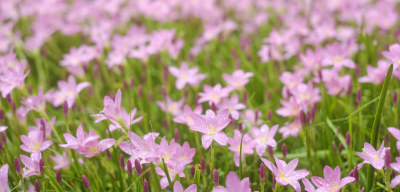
[(8, 98), (14, 107), (273, 183), (1, 115), (150, 97), (213, 107), (348, 139), (121, 161), (262, 172), (65, 108), (148, 172), (270, 151), (269, 115), (359, 96), (215, 177), (138, 167), (132, 83), (284, 150), (58, 177), (41, 165), (241, 126), (245, 97), (303, 118), (165, 73), (125, 83), (334, 146), (177, 135), (145, 186), (354, 173), (386, 140), (129, 167), (395, 101), (37, 186), (108, 154), (85, 182), (203, 165), (388, 159), (363, 189), (164, 92), (193, 170), (313, 111), (256, 116), (17, 164), (340, 147), (3, 138), (140, 91)]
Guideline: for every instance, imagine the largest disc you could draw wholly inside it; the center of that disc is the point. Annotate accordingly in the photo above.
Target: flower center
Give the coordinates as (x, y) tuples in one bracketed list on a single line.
[(212, 130), (282, 176), (215, 97), (375, 157), (36, 146), (93, 149), (337, 59)]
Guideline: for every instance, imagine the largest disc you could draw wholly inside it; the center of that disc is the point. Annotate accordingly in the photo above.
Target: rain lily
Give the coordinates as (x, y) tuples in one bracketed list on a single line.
[(69, 90), (186, 75), (232, 105), (33, 102), (396, 134), (264, 137), (87, 144), (395, 166), (170, 106), (42, 124), (211, 126), (331, 182), (337, 55), (32, 164), (4, 178), (35, 141), (373, 157), (234, 184), (375, 75), (291, 129), (145, 149), (393, 55), (12, 73), (61, 161), (178, 187), (185, 116), (247, 145), (214, 94), (285, 173), (238, 79)]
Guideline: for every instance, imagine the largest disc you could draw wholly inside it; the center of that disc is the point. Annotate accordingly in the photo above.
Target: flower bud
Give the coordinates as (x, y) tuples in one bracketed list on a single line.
[(193, 170), (348, 139), (270, 151), (262, 172), (17, 164), (37, 186), (334, 146), (1, 115), (340, 147), (273, 183), (359, 96), (388, 159), (395, 101), (363, 189), (303, 118), (354, 173), (121, 161), (145, 186), (108, 154), (245, 97), (177, 135), (138, 167), (41, 165), (386, 140), (58, 177), (269, 115), (203, 165), (284, 150), (3, 137), (164, 92), (215, 177), (85, 182), (129, 167), (140, 91), (65, 108)]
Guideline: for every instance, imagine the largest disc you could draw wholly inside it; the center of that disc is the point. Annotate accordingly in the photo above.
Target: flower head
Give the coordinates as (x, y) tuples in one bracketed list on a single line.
[(4, 178), (238, 79), (35, 141), (232, 105), (186, 75), (393, 55), (12, 73), (170, 106), (178, 187), (185, 116), (69, 90), (61, 161), (331, 182), (264, 137), (234, 184), (247, 145), (31, 163), (373, 157), (214, 94)]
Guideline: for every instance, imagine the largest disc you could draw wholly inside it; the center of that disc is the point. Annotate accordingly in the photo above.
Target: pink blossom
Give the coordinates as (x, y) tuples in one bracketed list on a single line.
[(12, 73), (211, 126), (375, 75), (285, 173), (186, 75), (238, 79), (35, 141), (306, 93), (292, 128), (178, 187), (87, 144), (331, 182), (170, 106), (33, 102), (290, 108), (62, 161), (232, 105), (253, 117), (234, 184), (336, 85), (337, 55), (69, 90), (264, 137), (3, 128), (4, 178), (32, 164), (42, 124), (213, 94), (373, 157), (393, 55), (138, 148), (247, 145), (395, 166), (396, 134), (185, 116)]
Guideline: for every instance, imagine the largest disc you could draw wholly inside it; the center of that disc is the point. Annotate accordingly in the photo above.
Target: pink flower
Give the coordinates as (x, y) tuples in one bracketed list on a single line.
[(336, 85), (285, 173), (373, 157), (331, 182), (247, 145), (375, 75), (170, 106), (232, 105), (61, 161), (35, 141), (214, 94), (238, 79), (234, 184), (178, 187), (264, 137), (253, 117), (292, 128), (43, 125), (33, 102), (290, 108), (337, 55), (396, 134), (186, 75), (69, 90), (395, 166), (4, 178), (211, 126), (113, 112), (87, 144), (31, 163), (185, 116), (393, 55), (306, 93), (12, 73), (145, 149), (79, 57), (3, 128)]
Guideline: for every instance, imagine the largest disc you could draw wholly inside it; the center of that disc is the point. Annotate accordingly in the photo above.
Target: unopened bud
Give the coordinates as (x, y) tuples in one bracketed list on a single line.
[(270, 151), (108, 154), (65, 108), (303, 118), (58, 177), (284, 150), (138, 167), (177, 135), (193, 170), (359, 96), (121, 161), (340, 147), (129, 167), (203, 165), (245, 97), (17, 164), (164, 92), (388, 159), (262, 172), (85, 182), (334, 146), (41, 165), (354, 173), (386, 139), (395, 101), (348, 139), (215, 177), (145, 186), (37, 186)]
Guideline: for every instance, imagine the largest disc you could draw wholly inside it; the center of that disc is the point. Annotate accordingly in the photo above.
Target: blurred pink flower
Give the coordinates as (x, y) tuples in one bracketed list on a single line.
[(264, 137), (69, 90), (33, 102), (396, 134), (393, 55), (395, 166), (35, 141), (170, 106), (234, 145), (186, 75), (234, 184), (331, 182), (138, 148), (337, 55), (211, 126), (32, 164), (285, 173), (291, 108), (213, 94), (42, 124), (238, 79), (12, 73), (3, 128), (233, 105), (61, 160), (373, 157), (253, 117), (87, 144), (292, 128), (178, 187), (375, 75), (185, 116), (4, 178)]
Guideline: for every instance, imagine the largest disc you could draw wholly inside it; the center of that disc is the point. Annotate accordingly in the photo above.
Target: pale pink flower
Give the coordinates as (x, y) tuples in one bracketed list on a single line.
[(61, 160), (264, 137), (285, 173), (247, 145), (336, 85), (291, 129), (4, 178), (69, 90), (238, 79), (396, 134), (170, 106), (145, 149), (178, 187), (35, 141), (306, 93), (87, 144), (233, 105), (32, 164), (234, 184), (42, 124), (3, 128), (395, 166), (291, 108), (214, 94), (331, 182), (393, 55), (33, 102), (186, 75), (253, 117), (338, 56), (185, 116), (373, 157), (12, 73), (375, 75), (211, 127)]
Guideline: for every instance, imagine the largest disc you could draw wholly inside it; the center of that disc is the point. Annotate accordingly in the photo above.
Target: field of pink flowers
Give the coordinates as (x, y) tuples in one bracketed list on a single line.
[(199, 95)]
